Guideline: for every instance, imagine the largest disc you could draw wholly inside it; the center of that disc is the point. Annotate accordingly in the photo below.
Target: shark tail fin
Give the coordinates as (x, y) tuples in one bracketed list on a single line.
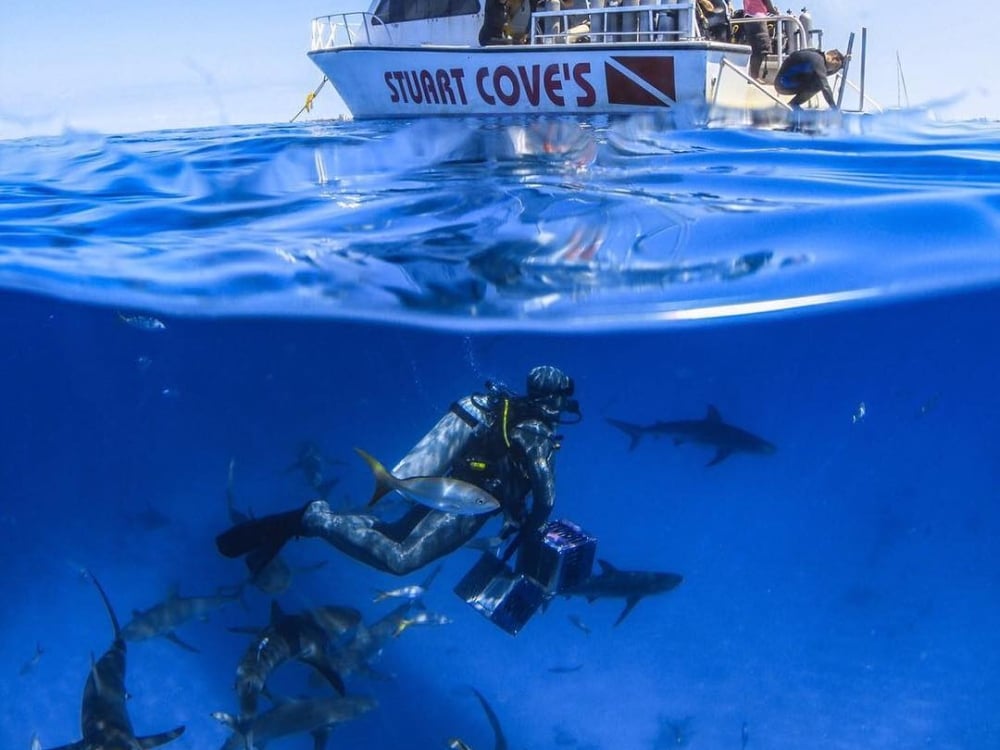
[(383, 479), (155, 740), (633, 431)]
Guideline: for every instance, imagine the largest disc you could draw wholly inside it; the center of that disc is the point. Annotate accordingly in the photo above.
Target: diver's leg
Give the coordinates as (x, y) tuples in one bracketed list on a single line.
[(359, 536)]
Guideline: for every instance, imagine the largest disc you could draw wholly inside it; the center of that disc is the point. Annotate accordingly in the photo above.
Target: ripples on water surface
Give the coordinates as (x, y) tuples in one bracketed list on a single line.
[(838, 594), (559, 223)]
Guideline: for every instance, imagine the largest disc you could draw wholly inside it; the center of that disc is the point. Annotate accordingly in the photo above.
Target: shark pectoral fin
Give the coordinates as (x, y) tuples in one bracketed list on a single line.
[(629, 606), (173, 638), (78, 745), (330, 675), (720, 455), (155, 740), (320, 736)]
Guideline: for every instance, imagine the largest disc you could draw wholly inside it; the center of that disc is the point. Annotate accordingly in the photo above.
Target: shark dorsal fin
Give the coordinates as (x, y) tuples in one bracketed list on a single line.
[(173, 592), (713, 414), (607, 567)]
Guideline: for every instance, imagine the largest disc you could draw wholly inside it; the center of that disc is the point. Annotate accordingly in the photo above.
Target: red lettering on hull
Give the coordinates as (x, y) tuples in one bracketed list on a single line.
[(503, 86)]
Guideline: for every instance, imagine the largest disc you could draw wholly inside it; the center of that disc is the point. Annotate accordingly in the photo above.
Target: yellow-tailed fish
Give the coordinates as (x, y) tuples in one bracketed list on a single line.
[(440, 493)]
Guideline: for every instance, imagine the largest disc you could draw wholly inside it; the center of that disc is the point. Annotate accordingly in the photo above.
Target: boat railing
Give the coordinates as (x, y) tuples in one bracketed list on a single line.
[(789, 33), (354, 29), (631, 22)]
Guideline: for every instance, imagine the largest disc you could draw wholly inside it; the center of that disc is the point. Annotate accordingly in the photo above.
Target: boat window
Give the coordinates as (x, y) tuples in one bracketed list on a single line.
[(394, 11)]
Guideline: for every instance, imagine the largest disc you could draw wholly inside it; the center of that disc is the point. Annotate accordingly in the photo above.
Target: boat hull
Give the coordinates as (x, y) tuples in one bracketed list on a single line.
[(582, 79)]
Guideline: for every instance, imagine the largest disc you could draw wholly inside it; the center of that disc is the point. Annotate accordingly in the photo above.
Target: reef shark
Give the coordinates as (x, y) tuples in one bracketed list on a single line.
[(104, 718), (315, 716), (725, 438), (630, 585), (163, 618), (304, 637)]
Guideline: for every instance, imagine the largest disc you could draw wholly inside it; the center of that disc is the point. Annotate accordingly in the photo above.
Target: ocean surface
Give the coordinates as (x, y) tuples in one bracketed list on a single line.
[(201, 318)]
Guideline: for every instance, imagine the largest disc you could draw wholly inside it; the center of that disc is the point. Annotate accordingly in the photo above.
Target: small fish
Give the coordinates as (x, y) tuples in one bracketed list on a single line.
[(744, 736), (440, 493), (30, 665), (142, 322), (456, 744), (36, 744), (579, 623), (408, 592), (859, 413), (422, 617), (565, 669)]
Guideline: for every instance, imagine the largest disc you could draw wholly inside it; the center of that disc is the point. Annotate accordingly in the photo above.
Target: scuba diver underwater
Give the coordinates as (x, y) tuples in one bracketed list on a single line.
[(484, 457)]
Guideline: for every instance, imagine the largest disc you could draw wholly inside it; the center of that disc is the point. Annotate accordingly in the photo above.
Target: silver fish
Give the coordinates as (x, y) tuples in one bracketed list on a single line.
[(440, 493), (142, 322)]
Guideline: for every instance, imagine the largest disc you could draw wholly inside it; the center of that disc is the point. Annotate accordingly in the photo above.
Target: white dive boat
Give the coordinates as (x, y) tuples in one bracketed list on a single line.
[(412, 58)]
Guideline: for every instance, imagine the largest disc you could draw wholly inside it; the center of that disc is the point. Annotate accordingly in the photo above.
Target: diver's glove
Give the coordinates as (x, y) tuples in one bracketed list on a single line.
[(260, 539)]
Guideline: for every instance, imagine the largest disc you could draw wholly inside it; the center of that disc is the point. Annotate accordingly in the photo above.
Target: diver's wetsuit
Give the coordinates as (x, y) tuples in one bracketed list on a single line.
[(424, 534), (511, 470), (804, 73)]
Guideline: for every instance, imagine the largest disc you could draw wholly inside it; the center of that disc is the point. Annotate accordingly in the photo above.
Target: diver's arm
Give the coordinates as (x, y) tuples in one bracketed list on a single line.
[(538, 446)]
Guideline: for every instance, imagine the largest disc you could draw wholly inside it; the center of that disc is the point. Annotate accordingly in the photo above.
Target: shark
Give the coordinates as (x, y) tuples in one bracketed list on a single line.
[(305, 637), (368, 641), (630, 585), (104, 718), (309, 461), (163, 618), (315, 716), (727, 439)]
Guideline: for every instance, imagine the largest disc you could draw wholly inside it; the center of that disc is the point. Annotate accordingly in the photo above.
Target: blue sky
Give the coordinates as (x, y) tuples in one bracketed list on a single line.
[(116, 66)]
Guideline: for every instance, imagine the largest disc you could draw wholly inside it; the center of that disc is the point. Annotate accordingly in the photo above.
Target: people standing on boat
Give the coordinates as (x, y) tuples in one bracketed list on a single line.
[(757, 33), (713, 17), (804, 74), (495, 16)]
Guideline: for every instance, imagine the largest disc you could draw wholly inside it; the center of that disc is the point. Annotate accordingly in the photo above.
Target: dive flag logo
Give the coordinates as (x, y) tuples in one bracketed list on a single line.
[(646, 81)]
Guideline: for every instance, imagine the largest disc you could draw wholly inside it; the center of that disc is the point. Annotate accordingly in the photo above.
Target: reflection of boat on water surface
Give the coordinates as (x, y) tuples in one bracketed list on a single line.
[(427, 59)]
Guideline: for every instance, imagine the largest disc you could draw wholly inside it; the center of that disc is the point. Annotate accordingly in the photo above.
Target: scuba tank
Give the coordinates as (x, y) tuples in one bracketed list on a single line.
[(807, 22), (434, 454)]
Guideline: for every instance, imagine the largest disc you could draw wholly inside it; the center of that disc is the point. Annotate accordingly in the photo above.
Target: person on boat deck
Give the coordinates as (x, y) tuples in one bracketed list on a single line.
[(713, 17), (494, 20), (501, 442), (804, 74), (757, 33)]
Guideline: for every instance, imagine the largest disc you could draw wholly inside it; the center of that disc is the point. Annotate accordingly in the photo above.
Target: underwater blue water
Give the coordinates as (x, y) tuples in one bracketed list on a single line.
[(180, 304)]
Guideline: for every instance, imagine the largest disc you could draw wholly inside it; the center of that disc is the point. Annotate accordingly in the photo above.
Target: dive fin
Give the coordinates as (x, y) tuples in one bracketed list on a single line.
[(633, 431), (262, 536), (155, 740), (629, 606)]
